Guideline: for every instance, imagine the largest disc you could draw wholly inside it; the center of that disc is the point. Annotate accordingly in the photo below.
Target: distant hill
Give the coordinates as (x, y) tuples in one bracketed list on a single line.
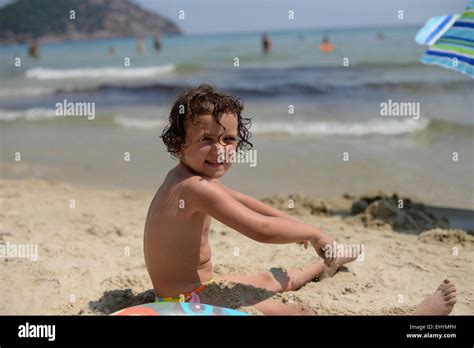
[(48, 20)]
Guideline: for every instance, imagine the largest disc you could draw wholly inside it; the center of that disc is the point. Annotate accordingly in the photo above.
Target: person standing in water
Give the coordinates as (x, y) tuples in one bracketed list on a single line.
[(325, 45), (33, 49), (266, 43), (157, 42)]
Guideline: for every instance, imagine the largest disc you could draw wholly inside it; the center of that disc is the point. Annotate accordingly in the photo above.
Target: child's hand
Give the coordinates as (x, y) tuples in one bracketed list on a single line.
[(320, 245)]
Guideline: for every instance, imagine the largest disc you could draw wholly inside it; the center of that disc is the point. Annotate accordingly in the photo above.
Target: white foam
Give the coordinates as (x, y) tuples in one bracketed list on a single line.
[(129, 122), (383, 126), (95, 73), (30, 91), (34, 114)]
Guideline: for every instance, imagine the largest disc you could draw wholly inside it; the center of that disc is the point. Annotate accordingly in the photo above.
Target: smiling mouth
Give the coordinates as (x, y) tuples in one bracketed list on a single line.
[(214, 163)]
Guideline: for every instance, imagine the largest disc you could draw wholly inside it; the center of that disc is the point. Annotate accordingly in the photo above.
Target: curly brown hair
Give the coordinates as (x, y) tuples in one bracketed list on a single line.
[(205, 99)]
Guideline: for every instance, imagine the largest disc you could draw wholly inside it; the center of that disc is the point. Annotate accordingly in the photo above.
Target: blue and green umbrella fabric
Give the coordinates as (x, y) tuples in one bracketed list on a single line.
[(454, 49), (434, 28)]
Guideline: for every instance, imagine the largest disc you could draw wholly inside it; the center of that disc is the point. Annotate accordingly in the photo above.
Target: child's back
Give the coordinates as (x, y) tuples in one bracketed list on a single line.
[(177, 251)]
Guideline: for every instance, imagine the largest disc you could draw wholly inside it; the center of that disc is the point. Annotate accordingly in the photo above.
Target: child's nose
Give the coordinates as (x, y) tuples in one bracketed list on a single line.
[(217, 147)]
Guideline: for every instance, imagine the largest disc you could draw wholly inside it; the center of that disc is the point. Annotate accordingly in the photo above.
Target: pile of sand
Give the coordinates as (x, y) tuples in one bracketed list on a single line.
[(401, 213), (450, 237), (299, 204)]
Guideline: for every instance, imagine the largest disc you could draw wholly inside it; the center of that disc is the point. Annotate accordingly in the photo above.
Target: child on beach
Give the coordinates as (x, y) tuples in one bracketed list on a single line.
[(205, 125)]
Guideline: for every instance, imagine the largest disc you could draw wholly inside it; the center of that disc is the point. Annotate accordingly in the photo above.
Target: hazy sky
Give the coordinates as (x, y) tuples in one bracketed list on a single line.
[(207, 16), (204, 16)]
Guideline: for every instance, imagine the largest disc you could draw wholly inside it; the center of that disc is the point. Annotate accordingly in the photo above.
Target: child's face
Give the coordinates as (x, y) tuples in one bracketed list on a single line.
[(205, 144)]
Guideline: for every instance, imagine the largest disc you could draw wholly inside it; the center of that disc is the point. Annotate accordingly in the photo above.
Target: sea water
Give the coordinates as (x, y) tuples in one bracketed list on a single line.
[(317, 118)]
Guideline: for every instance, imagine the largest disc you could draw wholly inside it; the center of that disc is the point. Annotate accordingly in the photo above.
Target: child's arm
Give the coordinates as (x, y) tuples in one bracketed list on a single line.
[(211, 198), (259, 207), (255, 204)]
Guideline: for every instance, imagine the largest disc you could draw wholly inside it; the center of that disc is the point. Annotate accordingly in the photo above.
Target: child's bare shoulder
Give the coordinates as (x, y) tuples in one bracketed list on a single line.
[(198, 187), (192, 187), (195, 183)]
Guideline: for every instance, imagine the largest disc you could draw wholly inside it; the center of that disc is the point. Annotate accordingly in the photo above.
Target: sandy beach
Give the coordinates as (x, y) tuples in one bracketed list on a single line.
[(90, 258)]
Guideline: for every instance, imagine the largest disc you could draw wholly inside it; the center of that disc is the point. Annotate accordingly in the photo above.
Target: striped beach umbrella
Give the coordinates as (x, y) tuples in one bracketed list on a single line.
[(434, 28), (452, 48)]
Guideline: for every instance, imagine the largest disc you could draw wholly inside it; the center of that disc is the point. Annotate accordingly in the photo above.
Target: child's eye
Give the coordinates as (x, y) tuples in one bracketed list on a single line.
[(206, 139)]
